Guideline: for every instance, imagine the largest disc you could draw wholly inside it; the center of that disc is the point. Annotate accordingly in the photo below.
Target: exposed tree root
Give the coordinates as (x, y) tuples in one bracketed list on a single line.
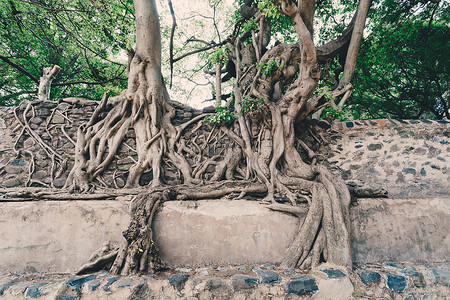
[(257, 155)]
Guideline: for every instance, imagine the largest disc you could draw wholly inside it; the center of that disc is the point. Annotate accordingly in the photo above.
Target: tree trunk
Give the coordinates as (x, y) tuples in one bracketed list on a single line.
[(261, 156), (45, 82)]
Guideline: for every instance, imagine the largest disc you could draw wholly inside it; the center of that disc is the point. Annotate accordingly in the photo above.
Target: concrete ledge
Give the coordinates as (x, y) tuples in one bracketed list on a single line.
[(401, 230), (56, 236), (59, 236), (220, 232)]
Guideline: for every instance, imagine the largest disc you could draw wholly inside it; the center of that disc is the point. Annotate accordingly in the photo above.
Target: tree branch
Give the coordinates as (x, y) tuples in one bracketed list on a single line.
[(19, 68)]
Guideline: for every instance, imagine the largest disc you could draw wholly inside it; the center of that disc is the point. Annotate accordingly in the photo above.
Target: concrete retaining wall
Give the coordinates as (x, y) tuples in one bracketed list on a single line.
[(55, 236)]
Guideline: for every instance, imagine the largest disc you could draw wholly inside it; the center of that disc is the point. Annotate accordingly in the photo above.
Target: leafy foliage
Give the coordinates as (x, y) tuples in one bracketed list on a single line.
[(336, 113), (403, 68), (250, 104), (271, 66), (223, 115), (84, 38)]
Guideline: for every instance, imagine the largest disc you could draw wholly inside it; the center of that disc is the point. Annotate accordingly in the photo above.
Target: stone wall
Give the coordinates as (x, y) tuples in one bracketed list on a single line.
[(408, 158), (51, 126), (259, 282)]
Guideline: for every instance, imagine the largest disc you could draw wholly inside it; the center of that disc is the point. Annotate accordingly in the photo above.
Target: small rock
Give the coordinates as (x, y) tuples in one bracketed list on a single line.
[(6, 286), (18, 162), (334, 273), (146, 178), (63, 105), (423, 172), (47, 104), (59, 182), (241, 268), (410, 297), (77, 283), (302, 285), (214, 284), (410, 271), (58, 119), (36, 120), (396, 283), (209, 109), (93, 285), (223, 269), (109, 282), (178, 281), (367, 277), (243, 282), (124, 282), (33, 290), (374, 147), (409, 171), (196, 281), (141, 291), (269, 266), (268, 277), (12, 182), (43, 112), (440, 276), (40, 175)]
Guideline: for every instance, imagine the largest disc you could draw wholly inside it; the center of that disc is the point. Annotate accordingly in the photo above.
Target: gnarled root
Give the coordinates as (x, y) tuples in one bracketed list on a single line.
[(323, 235), (139, 253)]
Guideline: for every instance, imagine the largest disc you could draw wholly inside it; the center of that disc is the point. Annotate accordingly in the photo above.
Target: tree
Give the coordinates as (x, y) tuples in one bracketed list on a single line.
[(273, 98), (82, 37), (403, 67)]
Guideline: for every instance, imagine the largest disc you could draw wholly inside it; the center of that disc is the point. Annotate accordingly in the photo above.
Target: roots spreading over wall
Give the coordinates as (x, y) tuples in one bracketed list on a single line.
[(262, 158)]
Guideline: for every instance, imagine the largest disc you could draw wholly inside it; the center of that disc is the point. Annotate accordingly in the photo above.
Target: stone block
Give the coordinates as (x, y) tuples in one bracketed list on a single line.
[(178, 281), (214, 284), (58, 119), (302, 285), (109, 282), (396, 283), (374, 147), (12, 182), (18, 162), (268, 277), (59, 182), (367, 277), (5, 286), (440, 276), (33, 291), (77, 283), (334, 273), (243, 282)]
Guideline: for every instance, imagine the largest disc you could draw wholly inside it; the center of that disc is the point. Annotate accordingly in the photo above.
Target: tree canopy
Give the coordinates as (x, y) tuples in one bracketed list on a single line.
[(402, 71), (82, 37)]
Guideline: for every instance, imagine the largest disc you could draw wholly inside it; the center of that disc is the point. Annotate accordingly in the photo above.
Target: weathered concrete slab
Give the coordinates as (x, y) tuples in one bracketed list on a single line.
[(222, 232), (55, 236), (401, 230)]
